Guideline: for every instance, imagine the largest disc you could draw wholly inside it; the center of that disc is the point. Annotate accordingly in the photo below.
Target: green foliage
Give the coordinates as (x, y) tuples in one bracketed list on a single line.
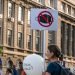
[(1, 48)]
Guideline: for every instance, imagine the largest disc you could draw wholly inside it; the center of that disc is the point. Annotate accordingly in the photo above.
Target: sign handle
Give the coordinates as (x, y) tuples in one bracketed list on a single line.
[(44, 45)]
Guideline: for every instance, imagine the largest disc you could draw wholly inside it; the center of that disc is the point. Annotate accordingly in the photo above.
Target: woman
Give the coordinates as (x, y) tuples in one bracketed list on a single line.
[(53, 55)]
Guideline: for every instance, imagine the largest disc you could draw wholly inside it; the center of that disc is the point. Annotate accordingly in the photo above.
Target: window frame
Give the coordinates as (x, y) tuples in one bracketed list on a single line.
[(63, 7), (29, 17), (1, 6), (69, 9), (30, 40), (20, 43), (9, 37), (21, 12), (11, 9), (39, 41)]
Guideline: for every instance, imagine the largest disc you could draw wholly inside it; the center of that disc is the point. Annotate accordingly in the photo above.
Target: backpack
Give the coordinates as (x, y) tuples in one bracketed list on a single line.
[(64, 71)]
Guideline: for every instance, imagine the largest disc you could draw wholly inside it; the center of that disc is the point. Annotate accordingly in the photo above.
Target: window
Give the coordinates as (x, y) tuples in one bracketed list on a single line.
[(38, 40), (28, 16), (73, 12), (63, 7), (0, 35), (69, 9), (62, 36), (21, 14), (30, 40), (1, 32), (37, 43), (20, 40), (52, 3), (73, 41), (41, 1), (11, 9), (47, 3), (1, 6), (9, 34), (68, 38), (51, 37)]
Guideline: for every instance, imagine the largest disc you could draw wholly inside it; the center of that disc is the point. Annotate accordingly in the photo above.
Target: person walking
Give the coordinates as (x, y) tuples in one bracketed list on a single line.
[(1, 73), (53, 54), (20, 71), (14, 71)]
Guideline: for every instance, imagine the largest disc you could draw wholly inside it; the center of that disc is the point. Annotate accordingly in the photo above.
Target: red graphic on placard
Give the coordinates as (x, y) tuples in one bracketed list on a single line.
[(45, 19)]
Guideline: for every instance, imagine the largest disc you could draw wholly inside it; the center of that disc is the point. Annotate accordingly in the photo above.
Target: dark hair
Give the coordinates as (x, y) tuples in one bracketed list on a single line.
[(55, 49), (9, 70), (61, 56)]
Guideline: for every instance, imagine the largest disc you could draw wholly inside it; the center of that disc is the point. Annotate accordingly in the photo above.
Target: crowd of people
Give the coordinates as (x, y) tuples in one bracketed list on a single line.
[(55, 58), (12, 70)]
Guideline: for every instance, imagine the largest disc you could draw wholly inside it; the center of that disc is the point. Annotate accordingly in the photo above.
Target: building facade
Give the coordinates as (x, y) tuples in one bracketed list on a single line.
[(66, 31), (17, 40)]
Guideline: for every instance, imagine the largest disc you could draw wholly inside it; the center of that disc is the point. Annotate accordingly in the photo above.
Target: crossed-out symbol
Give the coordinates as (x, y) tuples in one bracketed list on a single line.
[(45, 19)]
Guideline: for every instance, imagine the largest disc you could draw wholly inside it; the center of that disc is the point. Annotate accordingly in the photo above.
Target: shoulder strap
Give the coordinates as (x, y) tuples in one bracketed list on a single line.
[(59, 65), (63, 69)]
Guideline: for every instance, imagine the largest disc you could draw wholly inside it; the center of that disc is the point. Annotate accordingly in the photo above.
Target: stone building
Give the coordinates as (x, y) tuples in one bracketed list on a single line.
[(17, 40), (66, 30)]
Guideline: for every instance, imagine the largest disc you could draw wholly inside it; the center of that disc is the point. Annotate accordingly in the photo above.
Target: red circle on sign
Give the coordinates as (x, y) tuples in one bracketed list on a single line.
[(45, 18)]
